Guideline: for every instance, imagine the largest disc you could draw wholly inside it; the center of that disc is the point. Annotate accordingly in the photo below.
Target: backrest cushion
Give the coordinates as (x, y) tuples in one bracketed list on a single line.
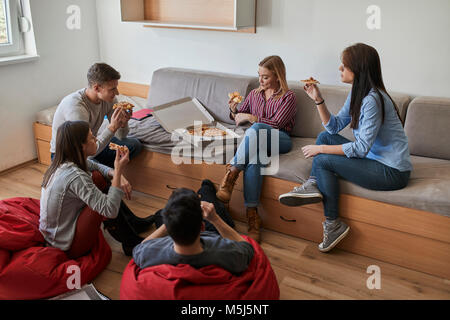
[(308, 124), (426, 125), (210, 88)]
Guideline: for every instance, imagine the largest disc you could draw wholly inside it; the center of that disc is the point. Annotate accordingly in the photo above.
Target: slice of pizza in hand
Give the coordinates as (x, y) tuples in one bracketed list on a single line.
[(311, 80), (117, 147), (128, 107), (236, 97)]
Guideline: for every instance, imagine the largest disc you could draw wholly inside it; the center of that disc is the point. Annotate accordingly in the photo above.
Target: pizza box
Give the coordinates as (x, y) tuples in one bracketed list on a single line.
[(179, 116)]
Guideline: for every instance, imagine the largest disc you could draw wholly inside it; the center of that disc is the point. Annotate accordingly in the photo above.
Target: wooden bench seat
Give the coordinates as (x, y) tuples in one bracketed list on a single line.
[(411, 238)]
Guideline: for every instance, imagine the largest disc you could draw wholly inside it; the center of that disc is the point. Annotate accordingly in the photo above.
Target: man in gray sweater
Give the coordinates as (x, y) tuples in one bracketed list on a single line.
[(181, 239), (93, 104)]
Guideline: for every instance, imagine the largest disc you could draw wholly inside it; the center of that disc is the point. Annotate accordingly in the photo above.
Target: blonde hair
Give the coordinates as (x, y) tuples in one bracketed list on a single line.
[(276, 65)]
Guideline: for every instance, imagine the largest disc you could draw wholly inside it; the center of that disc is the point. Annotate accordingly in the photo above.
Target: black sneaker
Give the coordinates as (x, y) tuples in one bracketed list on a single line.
[(307, 193)]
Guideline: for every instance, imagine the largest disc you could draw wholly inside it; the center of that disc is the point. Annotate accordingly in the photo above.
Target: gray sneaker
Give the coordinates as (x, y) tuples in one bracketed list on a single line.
[(333, 233), (305, 194)]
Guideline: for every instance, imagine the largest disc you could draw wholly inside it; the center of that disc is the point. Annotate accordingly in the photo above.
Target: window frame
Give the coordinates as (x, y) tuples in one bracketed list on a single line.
[(16, 45)]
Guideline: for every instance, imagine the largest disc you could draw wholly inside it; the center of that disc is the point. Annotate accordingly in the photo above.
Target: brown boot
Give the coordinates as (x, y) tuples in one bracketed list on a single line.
[(254, 224), (227, 185)]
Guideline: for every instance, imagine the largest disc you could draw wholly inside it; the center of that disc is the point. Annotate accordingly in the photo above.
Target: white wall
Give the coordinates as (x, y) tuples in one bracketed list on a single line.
[(27, 88), (309, 35)]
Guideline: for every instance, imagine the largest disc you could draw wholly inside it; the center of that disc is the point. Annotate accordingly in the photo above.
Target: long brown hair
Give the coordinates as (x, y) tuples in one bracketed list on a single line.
[(276, 65), (364, 61), (70, 138)]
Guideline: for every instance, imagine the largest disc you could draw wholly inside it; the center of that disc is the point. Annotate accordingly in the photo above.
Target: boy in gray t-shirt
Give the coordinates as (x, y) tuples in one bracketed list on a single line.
[(93, 104), (181, 239)]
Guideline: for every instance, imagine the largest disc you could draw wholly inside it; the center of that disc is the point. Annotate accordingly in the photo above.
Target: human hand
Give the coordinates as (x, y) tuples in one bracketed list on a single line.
[(116, 120), (242, 118), (233, 105), (121, 160), (313, 92), (208, 211), (126, 187), (126, 118), (311, 150)]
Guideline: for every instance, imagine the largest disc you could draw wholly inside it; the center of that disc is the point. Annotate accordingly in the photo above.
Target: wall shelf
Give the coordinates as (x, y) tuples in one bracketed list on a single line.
[(220, 15)]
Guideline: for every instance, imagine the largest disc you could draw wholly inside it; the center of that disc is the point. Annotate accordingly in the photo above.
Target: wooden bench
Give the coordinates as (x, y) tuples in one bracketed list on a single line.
[(411, 238)]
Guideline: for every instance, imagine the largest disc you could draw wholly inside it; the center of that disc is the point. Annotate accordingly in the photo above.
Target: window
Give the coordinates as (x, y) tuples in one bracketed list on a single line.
[(11, 39), (4, 34)]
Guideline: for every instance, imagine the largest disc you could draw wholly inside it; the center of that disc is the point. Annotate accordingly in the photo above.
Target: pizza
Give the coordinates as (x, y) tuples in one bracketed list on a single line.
[(311, 80), (207, 131), (124, 105), (214, 132), (116, 147), (235, 97)]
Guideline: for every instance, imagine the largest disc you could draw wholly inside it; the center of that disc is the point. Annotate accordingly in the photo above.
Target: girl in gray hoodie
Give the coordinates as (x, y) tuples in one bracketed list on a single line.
[(68, 187)]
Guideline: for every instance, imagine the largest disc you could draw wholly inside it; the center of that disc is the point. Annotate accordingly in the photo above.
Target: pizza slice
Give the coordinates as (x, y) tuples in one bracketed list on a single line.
[(236, 97), (207, 131), (117, 147), (214, 132), (128, 107), (311, 80)]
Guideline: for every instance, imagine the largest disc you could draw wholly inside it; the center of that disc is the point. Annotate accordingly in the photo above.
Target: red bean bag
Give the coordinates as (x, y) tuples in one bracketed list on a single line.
[(28, 269), (183, 282)]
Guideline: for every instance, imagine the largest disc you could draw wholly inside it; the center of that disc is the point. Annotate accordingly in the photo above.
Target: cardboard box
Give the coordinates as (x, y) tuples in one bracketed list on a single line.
[(178, 116)]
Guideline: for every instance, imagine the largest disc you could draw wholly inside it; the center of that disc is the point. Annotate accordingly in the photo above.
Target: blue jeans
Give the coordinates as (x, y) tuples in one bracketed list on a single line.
[(107, 156), (248, 158), (367, 173)]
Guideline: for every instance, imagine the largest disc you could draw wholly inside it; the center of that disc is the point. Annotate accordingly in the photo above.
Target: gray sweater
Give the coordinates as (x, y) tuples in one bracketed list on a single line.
[(68, 191), (234, 256), (77, 106)]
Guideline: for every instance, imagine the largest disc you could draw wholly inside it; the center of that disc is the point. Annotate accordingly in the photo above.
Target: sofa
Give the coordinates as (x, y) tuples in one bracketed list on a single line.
[(408, 227)]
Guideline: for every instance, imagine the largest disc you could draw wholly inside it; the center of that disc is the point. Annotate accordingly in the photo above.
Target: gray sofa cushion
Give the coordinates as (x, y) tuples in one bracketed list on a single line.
[(428, 188), (210, 88), (426, 126), (293, 165), (308, 124)]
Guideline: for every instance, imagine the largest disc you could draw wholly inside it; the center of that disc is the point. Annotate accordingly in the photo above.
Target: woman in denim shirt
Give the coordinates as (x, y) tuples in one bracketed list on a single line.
[(379, 157), (68, 187)]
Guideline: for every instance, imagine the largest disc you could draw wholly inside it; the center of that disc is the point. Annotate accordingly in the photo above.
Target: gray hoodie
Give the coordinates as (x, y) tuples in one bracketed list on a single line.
[(68, 191)]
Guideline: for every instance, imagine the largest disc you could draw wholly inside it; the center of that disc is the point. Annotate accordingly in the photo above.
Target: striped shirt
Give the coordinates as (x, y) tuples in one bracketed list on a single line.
[(276, 112)]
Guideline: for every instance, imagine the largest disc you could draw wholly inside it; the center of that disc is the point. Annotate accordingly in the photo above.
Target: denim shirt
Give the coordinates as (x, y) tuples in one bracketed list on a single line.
[(384, 142), (68, 191)]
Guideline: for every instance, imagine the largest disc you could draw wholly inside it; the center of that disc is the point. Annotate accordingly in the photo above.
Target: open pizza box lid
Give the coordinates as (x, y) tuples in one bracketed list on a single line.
[(188, 113)]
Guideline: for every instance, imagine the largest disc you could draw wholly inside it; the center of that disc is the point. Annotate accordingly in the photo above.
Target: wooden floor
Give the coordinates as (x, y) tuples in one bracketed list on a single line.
[(302, 271)]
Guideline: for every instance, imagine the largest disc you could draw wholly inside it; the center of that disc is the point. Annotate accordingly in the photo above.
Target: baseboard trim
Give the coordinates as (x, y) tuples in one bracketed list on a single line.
[(19, 166)]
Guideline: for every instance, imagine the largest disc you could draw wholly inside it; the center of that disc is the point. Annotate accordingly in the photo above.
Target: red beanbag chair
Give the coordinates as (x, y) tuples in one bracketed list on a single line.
[(28, 269), (183, 282)]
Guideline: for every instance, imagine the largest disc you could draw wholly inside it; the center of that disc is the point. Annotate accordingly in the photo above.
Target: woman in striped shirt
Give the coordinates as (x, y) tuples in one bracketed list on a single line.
[(271, 109)]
